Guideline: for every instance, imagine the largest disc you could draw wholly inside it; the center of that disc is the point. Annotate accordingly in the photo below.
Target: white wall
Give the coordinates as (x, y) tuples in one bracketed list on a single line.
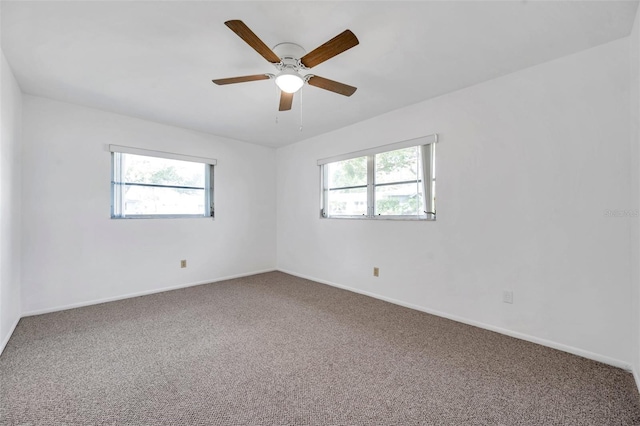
[(634, 54), (73, 253), (526, 167), (10, 127)]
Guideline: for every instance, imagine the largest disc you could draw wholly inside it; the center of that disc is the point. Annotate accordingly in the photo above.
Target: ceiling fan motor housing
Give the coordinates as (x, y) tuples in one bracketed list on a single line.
[(290, 54)]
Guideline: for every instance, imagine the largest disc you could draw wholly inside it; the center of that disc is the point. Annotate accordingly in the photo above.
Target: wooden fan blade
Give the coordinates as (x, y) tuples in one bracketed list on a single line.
[(286, 99), (333, 86), (252, 40), (243, 79), (343, 41)]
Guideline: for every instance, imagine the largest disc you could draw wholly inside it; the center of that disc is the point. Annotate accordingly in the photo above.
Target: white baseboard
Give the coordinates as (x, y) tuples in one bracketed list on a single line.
[(141, 293), (518, 335), (544, 342), (8, 336)]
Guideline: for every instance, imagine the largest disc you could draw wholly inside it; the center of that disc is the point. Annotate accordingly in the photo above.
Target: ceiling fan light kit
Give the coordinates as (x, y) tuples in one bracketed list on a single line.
[(290, 59), (289, 81)]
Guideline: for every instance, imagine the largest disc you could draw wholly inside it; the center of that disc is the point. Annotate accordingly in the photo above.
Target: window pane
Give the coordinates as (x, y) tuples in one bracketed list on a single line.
[(145, 200), (163, 171), (404, 199), (398, 166), (343, 202), (348, 173)]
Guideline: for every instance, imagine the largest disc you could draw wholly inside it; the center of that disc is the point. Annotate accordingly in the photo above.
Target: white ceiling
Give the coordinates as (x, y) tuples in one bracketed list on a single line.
[(156, 59)]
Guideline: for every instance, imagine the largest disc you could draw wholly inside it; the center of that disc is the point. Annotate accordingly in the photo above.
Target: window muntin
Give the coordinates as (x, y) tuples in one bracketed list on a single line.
[(385, 184), (147, 186)]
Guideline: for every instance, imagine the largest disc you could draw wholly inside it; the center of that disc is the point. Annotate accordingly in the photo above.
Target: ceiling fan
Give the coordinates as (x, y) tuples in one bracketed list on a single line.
[(290, 59)]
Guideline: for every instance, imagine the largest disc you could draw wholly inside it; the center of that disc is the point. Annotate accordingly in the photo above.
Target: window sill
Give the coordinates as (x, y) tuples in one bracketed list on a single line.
[(164, 216), (383, 218)]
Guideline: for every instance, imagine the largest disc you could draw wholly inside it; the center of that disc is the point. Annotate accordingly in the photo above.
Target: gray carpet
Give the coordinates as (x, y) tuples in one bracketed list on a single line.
[(273, 349)]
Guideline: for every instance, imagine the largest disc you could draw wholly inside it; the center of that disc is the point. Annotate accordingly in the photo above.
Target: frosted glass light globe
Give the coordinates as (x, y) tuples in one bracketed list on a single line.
[(289, 81)]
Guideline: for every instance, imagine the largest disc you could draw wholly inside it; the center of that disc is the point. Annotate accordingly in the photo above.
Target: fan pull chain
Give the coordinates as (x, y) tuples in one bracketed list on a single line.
[(301, 90), (277, 92)]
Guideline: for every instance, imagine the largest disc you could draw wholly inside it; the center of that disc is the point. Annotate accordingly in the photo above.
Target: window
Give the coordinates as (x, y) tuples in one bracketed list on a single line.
[(153, 184), (391, 182)]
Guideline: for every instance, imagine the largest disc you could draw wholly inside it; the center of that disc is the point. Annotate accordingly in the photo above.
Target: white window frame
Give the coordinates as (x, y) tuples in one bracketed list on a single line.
[(427, 150), (117, 210)]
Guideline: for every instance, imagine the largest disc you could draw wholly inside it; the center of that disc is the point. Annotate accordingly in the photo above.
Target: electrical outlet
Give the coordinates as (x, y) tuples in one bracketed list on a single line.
[(507, 296), (183, 263), (376, 271)]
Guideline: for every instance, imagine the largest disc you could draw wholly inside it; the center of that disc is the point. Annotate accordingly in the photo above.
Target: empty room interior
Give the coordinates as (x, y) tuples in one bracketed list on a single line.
[(320, 213)]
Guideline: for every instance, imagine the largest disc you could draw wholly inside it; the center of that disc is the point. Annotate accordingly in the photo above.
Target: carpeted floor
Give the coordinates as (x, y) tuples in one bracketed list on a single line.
[(273, 349)]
